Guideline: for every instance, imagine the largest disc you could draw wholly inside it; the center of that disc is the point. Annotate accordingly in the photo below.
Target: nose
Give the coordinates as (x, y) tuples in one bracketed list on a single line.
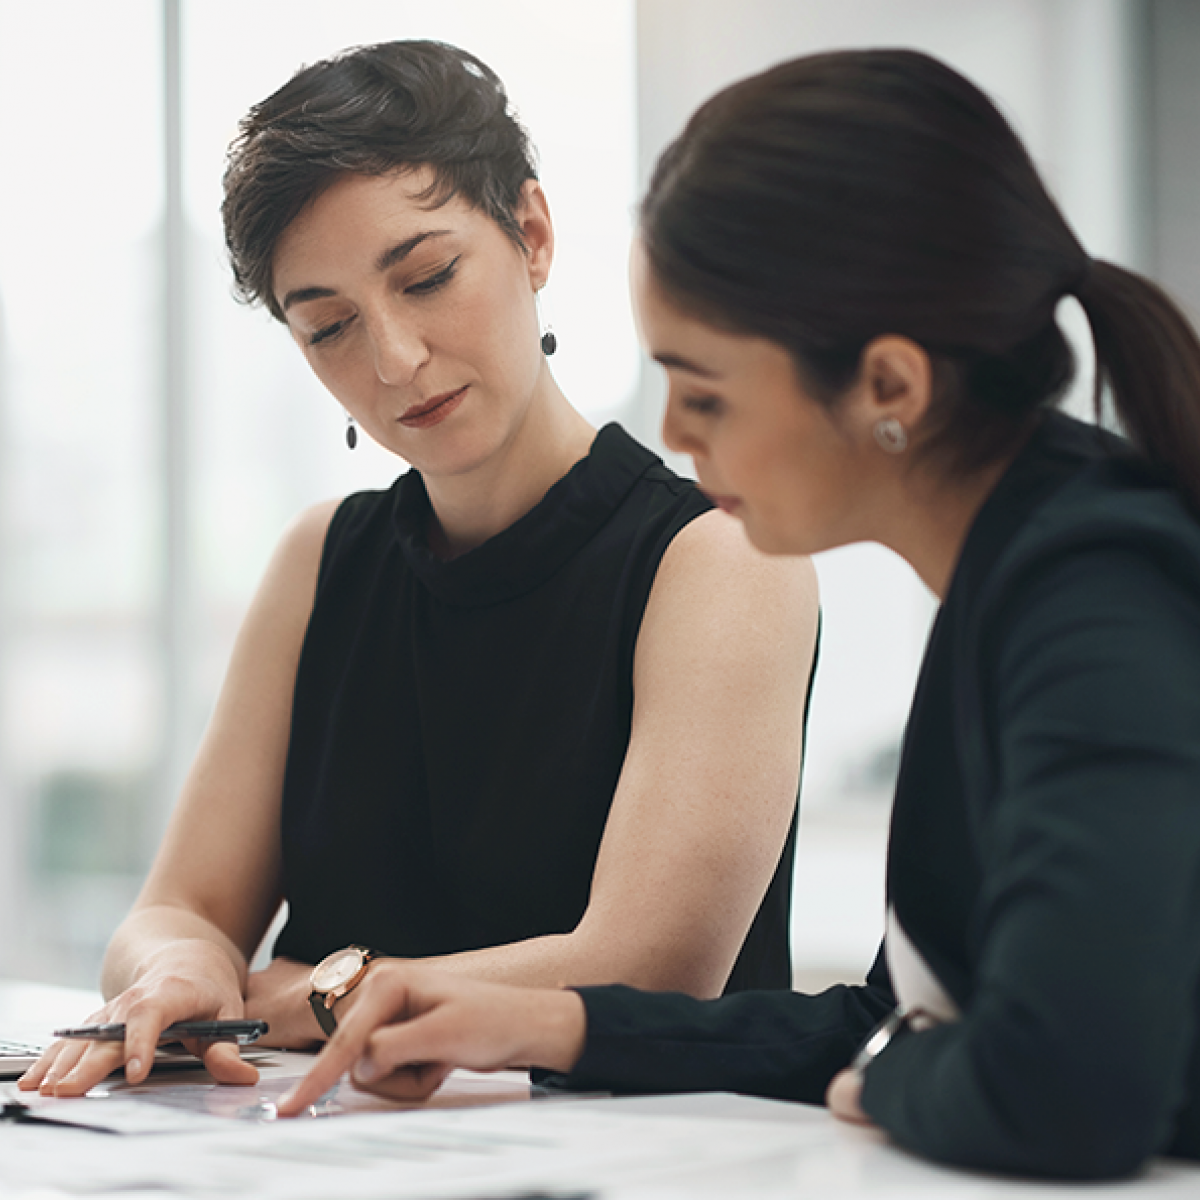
[(399, 349)]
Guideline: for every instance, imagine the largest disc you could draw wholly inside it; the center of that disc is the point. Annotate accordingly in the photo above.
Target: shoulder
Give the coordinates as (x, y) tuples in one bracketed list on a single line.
[(712, 548), (278, 615), (723, 598), (291, 575), (637, 471), (1098, 601), (303, 539), (331, 536), (1110, 524), (1113, 502)]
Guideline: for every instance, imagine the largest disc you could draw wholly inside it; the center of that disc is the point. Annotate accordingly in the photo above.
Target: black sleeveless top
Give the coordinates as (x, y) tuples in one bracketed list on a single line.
[(459, 726)]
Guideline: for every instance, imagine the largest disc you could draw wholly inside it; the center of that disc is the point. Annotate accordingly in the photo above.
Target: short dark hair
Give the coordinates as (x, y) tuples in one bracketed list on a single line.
[(840, 197), (371, 110)]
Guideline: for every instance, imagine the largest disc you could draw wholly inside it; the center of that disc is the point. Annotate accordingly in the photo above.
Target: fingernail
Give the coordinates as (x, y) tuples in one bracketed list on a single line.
[(366, 1070), (133, 1066)]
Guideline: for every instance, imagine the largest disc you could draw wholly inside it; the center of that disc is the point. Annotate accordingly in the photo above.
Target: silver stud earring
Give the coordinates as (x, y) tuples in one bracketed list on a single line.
[(351, 432), (890, 435)]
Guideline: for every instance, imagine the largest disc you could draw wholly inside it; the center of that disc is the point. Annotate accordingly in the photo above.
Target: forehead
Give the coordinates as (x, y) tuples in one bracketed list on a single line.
[(357, 217), (680, 340)]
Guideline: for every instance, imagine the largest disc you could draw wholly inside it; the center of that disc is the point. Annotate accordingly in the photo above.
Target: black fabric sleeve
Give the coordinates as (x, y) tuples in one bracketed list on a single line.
[(780, 1044), (1072, 1057)]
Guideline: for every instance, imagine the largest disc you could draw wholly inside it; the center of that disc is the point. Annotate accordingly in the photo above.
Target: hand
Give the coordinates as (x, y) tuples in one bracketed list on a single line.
[(413, 1024), (279, 995), (188, 980), (844, 1098)]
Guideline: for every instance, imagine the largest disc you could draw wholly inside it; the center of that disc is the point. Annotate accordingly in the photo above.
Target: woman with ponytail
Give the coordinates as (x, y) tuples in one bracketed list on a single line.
[(850, 270)]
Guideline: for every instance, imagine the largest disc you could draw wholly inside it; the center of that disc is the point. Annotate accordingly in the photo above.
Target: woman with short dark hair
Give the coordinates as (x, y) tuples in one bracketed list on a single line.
[(536, 710), (850, 269)]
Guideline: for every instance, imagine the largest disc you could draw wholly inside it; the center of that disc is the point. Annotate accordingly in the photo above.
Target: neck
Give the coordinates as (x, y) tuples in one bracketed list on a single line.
[(933, 519), (474, 506)]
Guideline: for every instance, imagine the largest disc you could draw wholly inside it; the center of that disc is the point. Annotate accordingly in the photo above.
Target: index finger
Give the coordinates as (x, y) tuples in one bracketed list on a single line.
[(143, 1025), (376, 1006), (338, 1056)]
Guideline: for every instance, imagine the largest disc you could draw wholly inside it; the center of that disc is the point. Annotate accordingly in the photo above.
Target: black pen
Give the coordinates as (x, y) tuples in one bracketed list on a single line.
[(22, 1114), (241, 1032)]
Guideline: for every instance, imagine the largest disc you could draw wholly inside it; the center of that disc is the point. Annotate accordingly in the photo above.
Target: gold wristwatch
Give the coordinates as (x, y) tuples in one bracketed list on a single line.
[(332, 978)]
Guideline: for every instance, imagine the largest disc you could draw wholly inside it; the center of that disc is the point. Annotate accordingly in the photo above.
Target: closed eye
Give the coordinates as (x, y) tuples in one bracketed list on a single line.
[(329, 332), (703, 406), (431, 283)]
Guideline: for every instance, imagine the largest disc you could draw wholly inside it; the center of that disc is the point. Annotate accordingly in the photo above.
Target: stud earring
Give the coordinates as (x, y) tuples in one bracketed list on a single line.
[(351, 432), (890, 435), (549, 341)]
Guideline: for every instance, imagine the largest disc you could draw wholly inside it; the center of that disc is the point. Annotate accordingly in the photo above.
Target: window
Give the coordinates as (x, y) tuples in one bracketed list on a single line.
[(128, 551)]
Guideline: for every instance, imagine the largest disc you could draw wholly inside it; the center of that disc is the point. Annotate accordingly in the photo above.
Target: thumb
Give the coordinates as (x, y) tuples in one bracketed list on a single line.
[(226, 1065)]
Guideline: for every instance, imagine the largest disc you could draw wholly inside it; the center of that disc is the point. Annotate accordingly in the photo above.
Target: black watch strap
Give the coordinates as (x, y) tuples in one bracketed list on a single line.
[(323, 1013)]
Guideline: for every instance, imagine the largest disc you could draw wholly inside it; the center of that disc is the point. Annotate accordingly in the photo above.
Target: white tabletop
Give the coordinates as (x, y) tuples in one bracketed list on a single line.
[(620, 1148)]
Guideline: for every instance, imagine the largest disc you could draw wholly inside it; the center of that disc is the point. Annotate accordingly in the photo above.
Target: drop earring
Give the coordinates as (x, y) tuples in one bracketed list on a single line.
[(351, 432), (549, 341), (890, 435)]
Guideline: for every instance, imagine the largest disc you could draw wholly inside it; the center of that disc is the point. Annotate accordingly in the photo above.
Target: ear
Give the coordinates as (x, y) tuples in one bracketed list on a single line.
[(533, 217), (895, 380)]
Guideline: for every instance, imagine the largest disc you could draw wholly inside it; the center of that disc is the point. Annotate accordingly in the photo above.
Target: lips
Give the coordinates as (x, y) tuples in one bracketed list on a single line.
[(433, 411), (727, 504)]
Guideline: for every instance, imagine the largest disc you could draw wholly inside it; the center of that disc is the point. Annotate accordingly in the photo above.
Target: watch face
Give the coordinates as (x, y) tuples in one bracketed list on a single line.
[(340, 967)]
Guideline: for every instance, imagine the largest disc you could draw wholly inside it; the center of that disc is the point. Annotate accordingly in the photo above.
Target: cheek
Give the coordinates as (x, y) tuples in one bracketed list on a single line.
[(752, 463), (776, 489), (502, 323)]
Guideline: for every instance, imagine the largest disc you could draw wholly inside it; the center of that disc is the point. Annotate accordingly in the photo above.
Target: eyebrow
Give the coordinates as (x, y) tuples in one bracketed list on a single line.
[(679, 363), (389, 258), (401, 250)]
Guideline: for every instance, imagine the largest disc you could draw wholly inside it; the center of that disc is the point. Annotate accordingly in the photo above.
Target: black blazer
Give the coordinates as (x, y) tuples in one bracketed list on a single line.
[(1044, 854)]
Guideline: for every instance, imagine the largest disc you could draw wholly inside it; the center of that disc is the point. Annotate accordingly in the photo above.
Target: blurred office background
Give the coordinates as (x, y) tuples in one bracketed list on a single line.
[(155, 436)]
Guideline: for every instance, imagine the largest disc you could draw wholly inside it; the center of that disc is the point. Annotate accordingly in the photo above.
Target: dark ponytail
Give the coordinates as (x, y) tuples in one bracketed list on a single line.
[(1148, 360), (840, 197)]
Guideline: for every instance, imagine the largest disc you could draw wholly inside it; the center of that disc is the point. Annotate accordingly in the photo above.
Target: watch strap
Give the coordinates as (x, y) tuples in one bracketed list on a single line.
[(323, 1013)]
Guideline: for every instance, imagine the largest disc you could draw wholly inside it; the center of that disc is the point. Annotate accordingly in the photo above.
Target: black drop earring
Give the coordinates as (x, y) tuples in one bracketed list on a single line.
[(549, 341), (351, 432)]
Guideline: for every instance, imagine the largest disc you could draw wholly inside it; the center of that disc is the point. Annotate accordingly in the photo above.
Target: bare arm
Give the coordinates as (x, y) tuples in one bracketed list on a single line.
[(216, 881)]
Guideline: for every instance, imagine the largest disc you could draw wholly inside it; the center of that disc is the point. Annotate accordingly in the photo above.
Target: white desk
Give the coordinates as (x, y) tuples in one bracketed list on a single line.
[(710, 1145)]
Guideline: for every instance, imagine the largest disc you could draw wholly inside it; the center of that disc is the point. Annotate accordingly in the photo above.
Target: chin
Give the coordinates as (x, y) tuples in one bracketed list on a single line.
[(452, 451), (765, 540), (778, 542)]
